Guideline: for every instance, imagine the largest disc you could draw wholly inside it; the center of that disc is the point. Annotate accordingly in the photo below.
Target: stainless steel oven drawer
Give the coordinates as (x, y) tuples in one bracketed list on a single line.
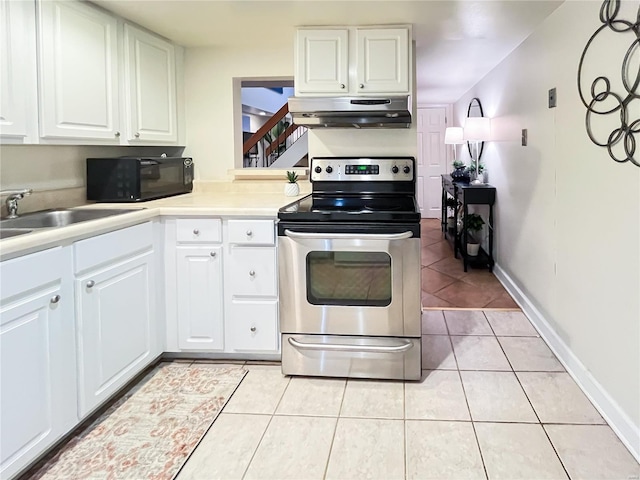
[(349, 356)]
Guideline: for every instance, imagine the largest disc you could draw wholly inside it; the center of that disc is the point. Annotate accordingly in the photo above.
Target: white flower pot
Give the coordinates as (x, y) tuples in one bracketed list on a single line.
[(473, 249), (291, 189)]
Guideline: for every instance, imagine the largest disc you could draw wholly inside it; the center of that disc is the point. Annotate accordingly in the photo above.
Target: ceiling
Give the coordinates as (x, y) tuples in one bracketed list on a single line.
[(457, 41)]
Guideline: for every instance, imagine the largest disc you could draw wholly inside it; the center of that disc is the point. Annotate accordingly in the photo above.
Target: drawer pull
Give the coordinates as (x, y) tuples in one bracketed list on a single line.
[(253, 329), (137, 135), (252, 273), (90, 284), (249, 233), (213, 254), (55, 299), (196, 231)]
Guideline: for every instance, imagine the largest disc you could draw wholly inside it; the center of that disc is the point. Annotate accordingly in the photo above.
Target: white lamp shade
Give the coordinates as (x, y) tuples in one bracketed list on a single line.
[(477, 129), (453, 136)]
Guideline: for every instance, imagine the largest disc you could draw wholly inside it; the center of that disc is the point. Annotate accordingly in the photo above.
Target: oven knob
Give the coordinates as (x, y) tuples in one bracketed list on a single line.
[(394, 169), (406, 169), (318, 169), (329, 169)]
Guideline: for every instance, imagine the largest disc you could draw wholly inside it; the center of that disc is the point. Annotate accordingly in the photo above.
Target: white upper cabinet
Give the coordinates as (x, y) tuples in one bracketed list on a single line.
[(78, 71), (353, 61), (322, 63), (18, 97), (382, 60), (150, 83)]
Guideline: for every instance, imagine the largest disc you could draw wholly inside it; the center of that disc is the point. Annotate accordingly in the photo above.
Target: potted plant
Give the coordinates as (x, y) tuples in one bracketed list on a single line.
[(473, 224), (292, 189), (451, 204), (481, 170), (459, 174)]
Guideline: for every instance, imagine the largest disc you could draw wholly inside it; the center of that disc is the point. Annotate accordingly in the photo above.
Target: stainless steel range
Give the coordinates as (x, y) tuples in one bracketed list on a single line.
[(350, 272)]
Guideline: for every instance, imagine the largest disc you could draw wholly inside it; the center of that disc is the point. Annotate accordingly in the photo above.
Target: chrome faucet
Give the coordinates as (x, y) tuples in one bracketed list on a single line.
[(12, 200)]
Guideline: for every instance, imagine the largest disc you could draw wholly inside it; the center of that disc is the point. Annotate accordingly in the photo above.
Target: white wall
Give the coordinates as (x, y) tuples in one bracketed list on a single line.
[(214, 123), (568, 216)]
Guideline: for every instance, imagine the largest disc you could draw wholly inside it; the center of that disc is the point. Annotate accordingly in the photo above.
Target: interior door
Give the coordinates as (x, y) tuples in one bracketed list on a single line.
[(432, 159)]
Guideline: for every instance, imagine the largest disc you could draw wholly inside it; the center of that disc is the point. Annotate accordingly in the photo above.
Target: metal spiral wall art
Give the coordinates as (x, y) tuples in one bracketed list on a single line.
[(603, 101)]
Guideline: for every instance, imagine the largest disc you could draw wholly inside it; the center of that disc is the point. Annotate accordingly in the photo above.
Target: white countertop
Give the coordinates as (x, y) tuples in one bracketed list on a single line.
[(229, 201)]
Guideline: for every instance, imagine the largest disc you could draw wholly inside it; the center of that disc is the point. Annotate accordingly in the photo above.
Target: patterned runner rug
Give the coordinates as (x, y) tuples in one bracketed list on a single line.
[(150, 432)]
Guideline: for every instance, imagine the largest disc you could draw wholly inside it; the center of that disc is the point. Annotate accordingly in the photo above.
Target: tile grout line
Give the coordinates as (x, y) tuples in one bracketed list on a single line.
[(265, 430), (335, 429)]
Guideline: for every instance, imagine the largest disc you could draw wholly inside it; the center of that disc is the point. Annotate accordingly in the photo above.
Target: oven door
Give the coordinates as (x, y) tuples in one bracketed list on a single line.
[(349, 283)]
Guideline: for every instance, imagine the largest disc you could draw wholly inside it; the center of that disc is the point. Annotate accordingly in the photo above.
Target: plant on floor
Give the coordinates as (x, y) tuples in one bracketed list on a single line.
[(291, 188), (473, 224)]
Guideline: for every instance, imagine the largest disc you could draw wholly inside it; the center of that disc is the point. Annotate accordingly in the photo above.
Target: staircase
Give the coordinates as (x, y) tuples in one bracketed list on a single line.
[(279, 143)]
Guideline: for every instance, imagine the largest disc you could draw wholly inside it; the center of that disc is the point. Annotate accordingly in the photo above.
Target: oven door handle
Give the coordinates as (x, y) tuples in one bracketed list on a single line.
[(347, 236), (403, 347)]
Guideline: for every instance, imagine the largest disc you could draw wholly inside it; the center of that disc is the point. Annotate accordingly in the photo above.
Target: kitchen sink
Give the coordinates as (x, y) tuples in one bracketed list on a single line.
[(13, 232), (57, 218)]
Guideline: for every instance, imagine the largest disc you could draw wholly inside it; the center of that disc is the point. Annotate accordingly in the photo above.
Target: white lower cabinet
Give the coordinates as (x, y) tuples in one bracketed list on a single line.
[(253, 325), (199, 297), (115, 312), (37, 356)]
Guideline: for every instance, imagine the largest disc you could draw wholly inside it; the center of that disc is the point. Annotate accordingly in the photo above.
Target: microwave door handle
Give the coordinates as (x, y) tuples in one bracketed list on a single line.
[(403, 347), (347, 236)]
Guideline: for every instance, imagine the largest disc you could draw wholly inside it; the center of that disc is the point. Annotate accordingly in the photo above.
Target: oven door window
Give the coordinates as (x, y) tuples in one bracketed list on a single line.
[(349, 278)]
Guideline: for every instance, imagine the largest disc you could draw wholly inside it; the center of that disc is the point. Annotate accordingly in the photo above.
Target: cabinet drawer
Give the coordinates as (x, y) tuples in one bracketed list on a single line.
[(253, 271), (198, 230), (253, 326), (248, 232)]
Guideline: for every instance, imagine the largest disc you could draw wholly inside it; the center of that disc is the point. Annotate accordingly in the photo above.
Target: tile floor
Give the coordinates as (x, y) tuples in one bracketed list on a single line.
[(444, 281), (493, 403)]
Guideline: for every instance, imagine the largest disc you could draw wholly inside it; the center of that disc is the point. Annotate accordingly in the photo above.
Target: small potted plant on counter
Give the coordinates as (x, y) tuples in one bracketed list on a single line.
[(292, 189), (473, 224)]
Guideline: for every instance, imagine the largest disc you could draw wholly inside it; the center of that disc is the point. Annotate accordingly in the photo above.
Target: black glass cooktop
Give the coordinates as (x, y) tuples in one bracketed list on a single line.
[(354, 208)]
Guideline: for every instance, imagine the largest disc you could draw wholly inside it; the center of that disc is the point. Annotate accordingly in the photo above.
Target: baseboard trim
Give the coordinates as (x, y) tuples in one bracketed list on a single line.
[(618, 420)]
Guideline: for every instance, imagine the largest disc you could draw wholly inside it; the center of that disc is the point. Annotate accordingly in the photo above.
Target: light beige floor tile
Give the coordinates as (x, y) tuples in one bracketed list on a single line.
[(467, 322), (226, 449), (260, 391), (593, 452), (293, 448), (373, 399), (556, 398), (437, 353), (517, 451), (496, 397), (433, 323), (367, 448), (479, 353), (529, 354), (312, 396), (510, 324), (438, 396), (442, 451)]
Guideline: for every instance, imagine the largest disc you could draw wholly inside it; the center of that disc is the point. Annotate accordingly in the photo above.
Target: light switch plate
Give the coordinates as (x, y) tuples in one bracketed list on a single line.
[(552, 98)]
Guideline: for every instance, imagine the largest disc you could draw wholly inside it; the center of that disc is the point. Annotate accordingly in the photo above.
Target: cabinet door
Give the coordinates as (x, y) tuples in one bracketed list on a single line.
[(382, 60), (322, 61), (150, 81), (78, 72), (37, 358), (116, 311), (200, 299), (18, 93)]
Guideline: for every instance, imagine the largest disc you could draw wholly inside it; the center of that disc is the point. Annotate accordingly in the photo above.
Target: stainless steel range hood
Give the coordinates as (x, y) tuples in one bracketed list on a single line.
[(351, 112)]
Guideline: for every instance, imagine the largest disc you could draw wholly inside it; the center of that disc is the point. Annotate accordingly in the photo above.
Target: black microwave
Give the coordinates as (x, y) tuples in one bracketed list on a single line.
[(137, 179)]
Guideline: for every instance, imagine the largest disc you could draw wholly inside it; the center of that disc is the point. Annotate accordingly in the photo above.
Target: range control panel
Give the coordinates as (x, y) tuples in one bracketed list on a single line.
[(380, 169)]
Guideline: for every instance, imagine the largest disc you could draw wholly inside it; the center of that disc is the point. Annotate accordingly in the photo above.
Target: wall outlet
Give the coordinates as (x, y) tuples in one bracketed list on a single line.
[(524, 137), (552, 98)]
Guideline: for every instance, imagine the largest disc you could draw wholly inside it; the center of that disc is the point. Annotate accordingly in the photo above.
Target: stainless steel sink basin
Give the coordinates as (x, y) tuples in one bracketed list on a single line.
[(13, 232), (58, 218)]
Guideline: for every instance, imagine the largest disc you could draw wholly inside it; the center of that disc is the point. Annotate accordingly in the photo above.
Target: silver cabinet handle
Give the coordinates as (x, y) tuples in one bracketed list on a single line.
[(252, 273), (90, 284), (137, 135), (196, 231), (55, 299), (351, 348), (249, 233), (362, 85), (213, 254), (342, 85), (253, 329), (347, 236), (117, 134)]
